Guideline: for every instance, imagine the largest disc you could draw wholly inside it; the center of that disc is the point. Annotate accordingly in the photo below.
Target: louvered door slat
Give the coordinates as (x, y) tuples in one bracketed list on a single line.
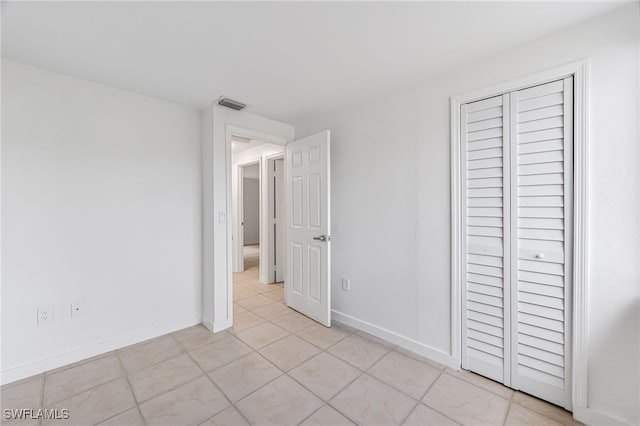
[(539, 113), (485, 279), (542, 146), (536, 342), (541, 267)]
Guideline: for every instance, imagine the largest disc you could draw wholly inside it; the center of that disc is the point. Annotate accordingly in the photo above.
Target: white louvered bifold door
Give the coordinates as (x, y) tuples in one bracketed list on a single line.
[(485, 322), (516, 247), (542, 142)]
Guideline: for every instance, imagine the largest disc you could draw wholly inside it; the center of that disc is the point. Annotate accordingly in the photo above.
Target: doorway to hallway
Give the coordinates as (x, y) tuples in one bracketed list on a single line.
[(258, 189)]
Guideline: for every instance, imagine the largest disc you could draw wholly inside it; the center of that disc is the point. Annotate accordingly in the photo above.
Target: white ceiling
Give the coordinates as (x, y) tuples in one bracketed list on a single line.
[(251, 172), (284, 59), (239, 146)]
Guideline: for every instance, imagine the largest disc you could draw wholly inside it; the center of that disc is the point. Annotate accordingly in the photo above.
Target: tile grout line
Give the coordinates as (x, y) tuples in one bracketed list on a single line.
[(289, 332), (92, 387), (506, 414), (183, 352), (480, 387), (318, 396), (218, 388), (366, 370), (340, 391), (44, 383), (233, 404), (126, 377), (133, 395), (83, 361), (342, 388), (421, 401), (282, 373), (347, 334), (324, 404)]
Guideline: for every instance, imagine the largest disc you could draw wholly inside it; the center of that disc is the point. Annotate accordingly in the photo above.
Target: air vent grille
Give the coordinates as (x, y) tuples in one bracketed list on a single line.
[(230, 103)]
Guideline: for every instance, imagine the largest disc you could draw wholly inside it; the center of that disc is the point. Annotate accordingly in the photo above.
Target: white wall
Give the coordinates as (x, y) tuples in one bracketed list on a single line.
[(101, 204), (251, 210), (391, 201)]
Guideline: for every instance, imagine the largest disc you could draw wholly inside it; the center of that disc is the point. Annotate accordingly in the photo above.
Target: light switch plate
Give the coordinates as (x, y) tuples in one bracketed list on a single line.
[(346, 284)]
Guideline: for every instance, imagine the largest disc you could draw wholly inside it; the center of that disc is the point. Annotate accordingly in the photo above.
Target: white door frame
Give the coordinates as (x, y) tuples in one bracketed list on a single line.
[(230, 131), (253, 135), (238, 215), (579, 71)]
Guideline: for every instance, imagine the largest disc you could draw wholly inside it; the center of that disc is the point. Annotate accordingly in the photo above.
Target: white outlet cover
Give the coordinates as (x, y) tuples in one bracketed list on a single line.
[(45, 315), (77, 309)]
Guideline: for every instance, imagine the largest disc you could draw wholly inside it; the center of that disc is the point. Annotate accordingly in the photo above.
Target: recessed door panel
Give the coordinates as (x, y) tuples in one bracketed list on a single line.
[(296, 279), (315, 273), (296, 201), (315, 202)]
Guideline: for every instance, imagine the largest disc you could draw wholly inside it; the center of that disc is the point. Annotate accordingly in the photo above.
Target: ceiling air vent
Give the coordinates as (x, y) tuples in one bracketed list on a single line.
[(230, 103)]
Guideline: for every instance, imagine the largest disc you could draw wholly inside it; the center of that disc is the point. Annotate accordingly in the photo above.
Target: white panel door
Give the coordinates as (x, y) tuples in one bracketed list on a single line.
[(541, 255), (485, 322), (307, 282)]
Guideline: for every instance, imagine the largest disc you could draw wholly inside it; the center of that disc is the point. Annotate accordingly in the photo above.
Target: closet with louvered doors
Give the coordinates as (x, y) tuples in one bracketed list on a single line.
[(517, 152)]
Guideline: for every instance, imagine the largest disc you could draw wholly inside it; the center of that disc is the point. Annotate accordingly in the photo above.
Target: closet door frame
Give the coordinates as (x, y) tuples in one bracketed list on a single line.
[(579, 320)]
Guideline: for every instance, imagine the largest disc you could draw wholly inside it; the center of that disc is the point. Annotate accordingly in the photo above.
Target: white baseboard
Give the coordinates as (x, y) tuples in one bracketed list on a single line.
[(405, 342), (592, 417), (208, 323), (31, 368), (215, 326), (222, 325)]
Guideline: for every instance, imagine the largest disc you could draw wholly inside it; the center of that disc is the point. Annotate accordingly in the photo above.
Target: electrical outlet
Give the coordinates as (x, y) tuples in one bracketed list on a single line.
[(77, 309), (45, 315), (346, 284)]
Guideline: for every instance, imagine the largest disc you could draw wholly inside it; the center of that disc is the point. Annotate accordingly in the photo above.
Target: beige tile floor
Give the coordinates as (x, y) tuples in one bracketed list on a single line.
[(275, 367)]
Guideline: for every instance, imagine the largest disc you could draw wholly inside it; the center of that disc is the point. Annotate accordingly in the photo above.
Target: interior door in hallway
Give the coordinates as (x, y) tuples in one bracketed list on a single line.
[(308, 241), (278, 220)]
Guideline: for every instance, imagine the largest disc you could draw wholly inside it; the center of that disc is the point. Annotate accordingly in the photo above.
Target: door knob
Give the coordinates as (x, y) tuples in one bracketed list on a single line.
[(540, 256), (323, 238)]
